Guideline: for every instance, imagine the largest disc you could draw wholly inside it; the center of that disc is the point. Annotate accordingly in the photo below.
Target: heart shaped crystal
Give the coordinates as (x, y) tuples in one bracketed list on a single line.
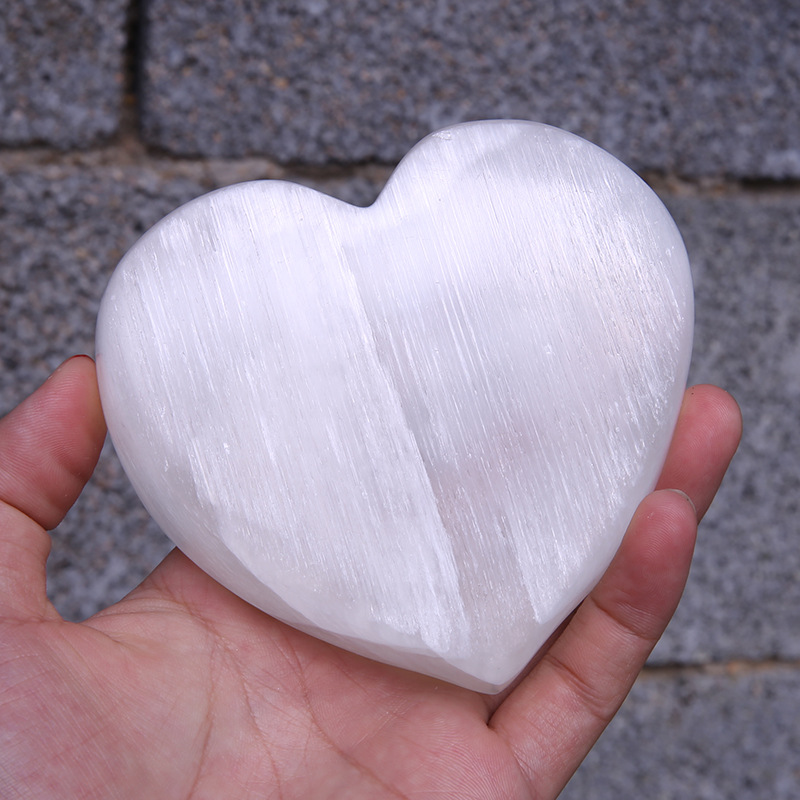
[(417, 430)]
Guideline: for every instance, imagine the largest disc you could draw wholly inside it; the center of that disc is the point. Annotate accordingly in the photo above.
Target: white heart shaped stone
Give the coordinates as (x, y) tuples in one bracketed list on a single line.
[(417, 430)]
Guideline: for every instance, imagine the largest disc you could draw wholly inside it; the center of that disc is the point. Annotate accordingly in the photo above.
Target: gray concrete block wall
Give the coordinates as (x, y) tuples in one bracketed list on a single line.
[(702, 98)]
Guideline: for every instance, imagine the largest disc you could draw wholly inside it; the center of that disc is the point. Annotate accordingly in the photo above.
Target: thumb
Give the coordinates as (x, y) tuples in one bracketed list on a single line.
[(49, 446)]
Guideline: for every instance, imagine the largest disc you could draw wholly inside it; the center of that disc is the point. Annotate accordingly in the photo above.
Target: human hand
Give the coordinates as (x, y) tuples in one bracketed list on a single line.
[(182, 690)]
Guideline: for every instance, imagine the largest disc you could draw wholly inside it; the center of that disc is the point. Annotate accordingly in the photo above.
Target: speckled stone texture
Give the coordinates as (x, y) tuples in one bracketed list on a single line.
[(709, 88), (61, 71), (743, 597), (728, 734)]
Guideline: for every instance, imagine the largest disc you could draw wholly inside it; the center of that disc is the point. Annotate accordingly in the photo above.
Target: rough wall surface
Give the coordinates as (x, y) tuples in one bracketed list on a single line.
[(703, 98), (688, 88), (61, 71)]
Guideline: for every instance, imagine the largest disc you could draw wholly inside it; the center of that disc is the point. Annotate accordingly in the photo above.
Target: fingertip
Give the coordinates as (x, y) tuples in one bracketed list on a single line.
[(77, 379), (672, 506), (721, 410), (686, 498)]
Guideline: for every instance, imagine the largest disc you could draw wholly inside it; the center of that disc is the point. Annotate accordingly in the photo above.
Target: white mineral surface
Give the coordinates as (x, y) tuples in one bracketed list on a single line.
[(416, 430)]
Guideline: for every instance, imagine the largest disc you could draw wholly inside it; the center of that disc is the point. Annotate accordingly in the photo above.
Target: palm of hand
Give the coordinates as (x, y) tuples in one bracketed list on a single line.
[(219, 700), (183, 690)]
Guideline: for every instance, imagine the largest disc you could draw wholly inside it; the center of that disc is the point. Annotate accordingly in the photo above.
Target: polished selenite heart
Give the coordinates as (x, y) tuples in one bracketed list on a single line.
[(416, 430)]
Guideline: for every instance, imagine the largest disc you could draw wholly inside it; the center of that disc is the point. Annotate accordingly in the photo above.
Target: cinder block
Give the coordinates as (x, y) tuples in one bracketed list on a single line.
[(704, 737), (709, 88), (61, 71)]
